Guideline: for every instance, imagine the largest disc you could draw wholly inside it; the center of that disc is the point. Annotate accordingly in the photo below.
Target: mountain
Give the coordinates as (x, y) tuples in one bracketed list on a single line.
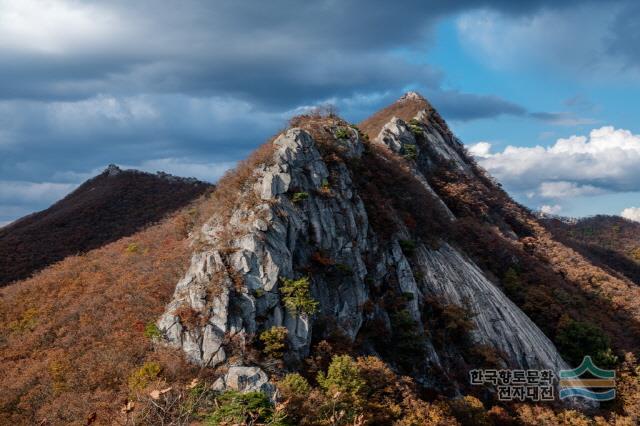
[(356, 274), (114, 204), (611, 242)]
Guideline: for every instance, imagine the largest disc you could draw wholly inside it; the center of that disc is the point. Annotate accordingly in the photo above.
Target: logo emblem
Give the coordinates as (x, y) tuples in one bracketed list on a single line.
[(571, 384)]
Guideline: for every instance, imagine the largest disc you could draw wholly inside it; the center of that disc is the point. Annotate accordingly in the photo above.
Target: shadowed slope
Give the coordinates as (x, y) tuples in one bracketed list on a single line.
[(114, 204)]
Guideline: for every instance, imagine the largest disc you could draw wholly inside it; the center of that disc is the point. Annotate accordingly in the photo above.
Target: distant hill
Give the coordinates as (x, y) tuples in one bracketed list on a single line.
[(112, 205), (609, 241)]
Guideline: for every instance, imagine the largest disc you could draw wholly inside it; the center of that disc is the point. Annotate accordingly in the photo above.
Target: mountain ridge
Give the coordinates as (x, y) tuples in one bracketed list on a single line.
[(382, 253), (113, 204)]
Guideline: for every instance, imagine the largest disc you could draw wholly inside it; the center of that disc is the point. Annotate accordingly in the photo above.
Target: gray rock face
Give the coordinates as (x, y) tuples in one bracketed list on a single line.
[(395, 134), (306, 208), (273, 235), (499, 322), (244, 379)]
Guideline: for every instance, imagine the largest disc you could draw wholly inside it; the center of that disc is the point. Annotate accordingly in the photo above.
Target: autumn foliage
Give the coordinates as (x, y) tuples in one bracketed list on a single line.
[(74, 339), (100, 211)]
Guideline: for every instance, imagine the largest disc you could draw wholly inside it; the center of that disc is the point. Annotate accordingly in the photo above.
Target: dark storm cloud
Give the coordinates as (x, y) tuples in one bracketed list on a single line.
[(624, 40), (194, 85), (466, 106), (285, 53)]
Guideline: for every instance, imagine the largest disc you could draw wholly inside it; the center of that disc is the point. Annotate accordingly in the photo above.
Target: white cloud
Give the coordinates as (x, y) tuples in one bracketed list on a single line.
[(554, 209), (564, 189), (101, 109), (606, 160), (53, 27), (209, 172), (480, 149), (19, 192), (631, 213)]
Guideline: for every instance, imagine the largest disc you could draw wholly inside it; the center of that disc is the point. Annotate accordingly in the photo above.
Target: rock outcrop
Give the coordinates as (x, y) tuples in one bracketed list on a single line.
[(307, 210)]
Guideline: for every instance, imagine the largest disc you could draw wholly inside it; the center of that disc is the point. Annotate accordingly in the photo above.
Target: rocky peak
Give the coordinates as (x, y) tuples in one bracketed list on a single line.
[(112, 170), (304, 219), (415, 96)]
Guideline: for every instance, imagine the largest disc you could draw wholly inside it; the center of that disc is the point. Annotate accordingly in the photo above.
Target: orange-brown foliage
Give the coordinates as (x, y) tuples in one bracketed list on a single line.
[(73, 334), (100, 211), (403, 109), (554, 279)]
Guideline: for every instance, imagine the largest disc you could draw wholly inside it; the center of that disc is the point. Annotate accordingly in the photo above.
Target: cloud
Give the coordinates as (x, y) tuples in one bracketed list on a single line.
[(563, 189), (608, 160), (193, 86), (556, 39), (26, 192), (19, 198), (631, 213), (289, 53), (209, 172), (551, 209), (467, 106), (480, 149), (562, 118), (456, 105)]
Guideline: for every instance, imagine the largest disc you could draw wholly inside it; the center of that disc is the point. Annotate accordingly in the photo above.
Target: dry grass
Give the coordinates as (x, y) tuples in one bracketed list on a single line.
[(84, 330), (404, 109)]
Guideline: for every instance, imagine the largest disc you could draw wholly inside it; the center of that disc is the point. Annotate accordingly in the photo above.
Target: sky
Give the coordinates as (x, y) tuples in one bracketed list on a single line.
[(545, 95)]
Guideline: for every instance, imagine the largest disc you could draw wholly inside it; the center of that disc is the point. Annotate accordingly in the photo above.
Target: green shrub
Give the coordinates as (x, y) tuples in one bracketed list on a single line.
[(408, 340), (577, 339), (296, 391), (416, 130), (342, 376), (512, 285), (152, 331), (299, 196), (296, 296), (27, 322), (142, 377), (410, 151), (275, 341), (408, 247), (248, 408), (294, 384), (357, 129), (132, 248), (342, 133)]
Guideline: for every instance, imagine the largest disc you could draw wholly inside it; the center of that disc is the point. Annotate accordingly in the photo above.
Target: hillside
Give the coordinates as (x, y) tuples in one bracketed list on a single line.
[(609, 241), (362, 271), (112, 205)]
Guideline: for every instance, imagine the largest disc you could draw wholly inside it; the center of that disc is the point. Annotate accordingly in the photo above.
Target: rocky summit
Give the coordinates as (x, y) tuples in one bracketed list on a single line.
[(303, 218)]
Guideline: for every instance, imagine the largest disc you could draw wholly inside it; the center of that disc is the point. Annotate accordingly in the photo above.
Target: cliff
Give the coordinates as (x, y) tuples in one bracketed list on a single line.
[(359, 222)]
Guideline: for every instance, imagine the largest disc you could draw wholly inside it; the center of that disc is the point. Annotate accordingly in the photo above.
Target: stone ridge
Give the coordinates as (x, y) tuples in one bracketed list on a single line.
[(113, 170), (405, 108), (412, 96), (304, 205)]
